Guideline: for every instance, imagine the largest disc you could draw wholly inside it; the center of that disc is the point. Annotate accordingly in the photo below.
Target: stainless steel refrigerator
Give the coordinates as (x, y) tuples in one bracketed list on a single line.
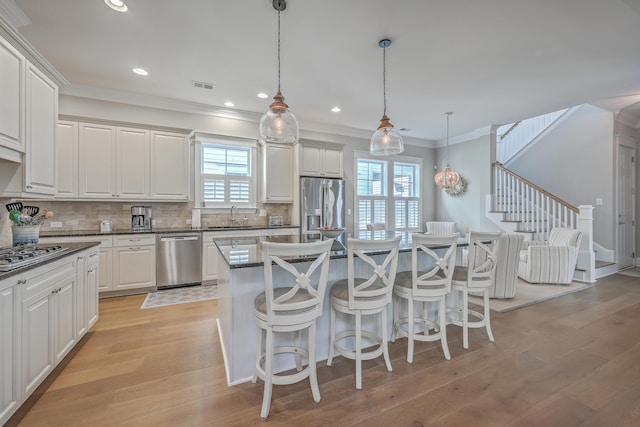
[(322, 205)]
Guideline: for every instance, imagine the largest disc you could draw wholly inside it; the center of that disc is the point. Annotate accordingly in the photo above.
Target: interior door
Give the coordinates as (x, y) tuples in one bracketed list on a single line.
[(626, 202)]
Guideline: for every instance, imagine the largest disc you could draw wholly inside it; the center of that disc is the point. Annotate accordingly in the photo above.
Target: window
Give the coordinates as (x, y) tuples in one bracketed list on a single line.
[(226, 175), (394, 202)]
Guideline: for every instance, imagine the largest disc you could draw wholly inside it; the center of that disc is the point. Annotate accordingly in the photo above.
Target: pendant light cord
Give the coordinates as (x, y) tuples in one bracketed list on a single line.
[(278, 51), (384, 79)]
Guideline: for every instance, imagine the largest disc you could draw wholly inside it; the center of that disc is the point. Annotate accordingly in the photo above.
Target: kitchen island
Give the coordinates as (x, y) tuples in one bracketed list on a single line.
[(241, 278)]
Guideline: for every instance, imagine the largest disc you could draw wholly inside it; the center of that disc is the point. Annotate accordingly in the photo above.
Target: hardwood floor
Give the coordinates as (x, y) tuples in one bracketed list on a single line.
[(573, 360)]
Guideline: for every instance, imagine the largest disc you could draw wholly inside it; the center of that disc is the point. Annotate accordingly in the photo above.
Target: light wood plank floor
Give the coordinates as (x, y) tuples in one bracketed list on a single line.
[(571, 361)]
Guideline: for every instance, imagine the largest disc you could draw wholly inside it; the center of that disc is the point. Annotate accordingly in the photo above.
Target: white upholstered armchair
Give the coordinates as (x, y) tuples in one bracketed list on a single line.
[(551, 261), (441, 228)]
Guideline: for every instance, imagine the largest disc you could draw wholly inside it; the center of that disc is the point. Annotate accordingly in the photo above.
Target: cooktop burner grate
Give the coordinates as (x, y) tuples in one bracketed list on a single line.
[(23, 255)]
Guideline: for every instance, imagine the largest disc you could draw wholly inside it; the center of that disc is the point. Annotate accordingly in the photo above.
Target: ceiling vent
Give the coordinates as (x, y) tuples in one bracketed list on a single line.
[(203, 85)]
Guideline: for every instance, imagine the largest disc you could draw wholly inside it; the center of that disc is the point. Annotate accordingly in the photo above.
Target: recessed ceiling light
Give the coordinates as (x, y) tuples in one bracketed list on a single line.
[(336, 109), (141, 71), (263, 95), (229, 104), (116, 5)]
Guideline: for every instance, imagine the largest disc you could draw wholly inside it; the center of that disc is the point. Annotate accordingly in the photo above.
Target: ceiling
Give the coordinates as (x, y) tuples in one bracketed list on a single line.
[(489, 62)]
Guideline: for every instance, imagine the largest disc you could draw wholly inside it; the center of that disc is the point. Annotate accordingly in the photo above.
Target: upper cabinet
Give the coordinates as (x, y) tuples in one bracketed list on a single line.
[(277, 173), (121, 163), (321, 160), (12, 95), (28, 116), (170, 161), (40, 120)]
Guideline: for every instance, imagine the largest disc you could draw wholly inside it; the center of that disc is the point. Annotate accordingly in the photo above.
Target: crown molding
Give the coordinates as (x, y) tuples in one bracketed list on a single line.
[(469, 136), (628, 119), (13, 15), (184, 106)]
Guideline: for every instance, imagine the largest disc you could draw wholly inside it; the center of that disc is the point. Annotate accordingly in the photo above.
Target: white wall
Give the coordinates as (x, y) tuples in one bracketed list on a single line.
[(574, 161), (472, 160)]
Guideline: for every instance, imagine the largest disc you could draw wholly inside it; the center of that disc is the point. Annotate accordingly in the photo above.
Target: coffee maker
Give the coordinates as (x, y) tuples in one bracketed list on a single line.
[(141, 218)]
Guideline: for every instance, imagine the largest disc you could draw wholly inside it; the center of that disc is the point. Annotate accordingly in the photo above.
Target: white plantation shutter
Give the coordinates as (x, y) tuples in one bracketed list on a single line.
[(227, 175), (395, 202)]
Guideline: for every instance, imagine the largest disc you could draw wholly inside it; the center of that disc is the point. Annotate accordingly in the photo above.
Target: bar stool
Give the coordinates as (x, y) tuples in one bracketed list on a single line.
[(432, 284), (291, 307), (361, 296), (477, 277)]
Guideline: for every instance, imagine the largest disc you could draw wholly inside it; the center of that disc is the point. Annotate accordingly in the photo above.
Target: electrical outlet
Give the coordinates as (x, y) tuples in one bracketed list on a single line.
[(599, 201), (188, 221), (55, 224), (263, 212)]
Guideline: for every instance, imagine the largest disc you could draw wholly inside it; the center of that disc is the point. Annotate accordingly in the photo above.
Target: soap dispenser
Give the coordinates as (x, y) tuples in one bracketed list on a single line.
[(245, 221)]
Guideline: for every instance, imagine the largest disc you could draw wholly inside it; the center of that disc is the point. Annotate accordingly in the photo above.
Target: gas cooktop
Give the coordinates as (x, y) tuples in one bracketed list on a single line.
[(23, 255)]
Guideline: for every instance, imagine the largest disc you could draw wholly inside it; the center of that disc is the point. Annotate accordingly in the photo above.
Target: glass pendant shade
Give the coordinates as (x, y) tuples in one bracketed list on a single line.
[(447, 178), (278, 124), (386, 140)]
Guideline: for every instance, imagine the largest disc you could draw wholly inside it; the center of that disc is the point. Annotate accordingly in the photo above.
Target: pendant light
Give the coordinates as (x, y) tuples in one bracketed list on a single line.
[(386, 140), (447, 178), (278, 124)]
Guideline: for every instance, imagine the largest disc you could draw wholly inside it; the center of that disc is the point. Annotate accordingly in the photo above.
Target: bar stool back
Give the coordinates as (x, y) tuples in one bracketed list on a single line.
[(425, 285), (478, 277), (368, 294), (293, 306)]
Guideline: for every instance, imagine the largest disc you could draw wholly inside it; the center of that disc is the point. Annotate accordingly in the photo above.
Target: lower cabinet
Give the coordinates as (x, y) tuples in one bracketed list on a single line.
[(134, 261), (48, 314), (43, 314), (9, 389)]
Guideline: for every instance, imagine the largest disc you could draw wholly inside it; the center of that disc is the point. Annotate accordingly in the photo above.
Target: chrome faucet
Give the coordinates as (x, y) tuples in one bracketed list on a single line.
[(232, 215)]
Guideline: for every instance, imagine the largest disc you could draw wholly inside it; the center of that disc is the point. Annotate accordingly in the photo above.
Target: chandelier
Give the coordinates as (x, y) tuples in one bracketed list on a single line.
[(447, 178)]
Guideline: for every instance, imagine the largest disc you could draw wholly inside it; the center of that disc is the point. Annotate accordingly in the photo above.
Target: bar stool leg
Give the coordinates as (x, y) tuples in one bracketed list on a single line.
[(358, 350), (385, 340), (332, 336), (487, 315), (313, 376), (268, 375), (442, 308), (410, 330)]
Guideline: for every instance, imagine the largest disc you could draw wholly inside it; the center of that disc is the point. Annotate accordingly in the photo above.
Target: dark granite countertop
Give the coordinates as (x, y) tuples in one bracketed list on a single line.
[(247, 251), (72, 248), (75, 233)]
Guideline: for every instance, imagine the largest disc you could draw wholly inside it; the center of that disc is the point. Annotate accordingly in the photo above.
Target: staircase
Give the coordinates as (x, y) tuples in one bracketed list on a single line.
[(521, 207)]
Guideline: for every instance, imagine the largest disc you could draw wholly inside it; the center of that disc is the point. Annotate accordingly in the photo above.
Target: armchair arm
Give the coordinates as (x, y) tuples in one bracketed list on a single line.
[(548, 264), (528, 243)]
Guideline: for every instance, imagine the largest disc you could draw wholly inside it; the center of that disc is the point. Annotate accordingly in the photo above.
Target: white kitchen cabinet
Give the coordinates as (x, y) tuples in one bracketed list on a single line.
[(126, 163), (105, 256), (134, 261), (39, 320), (67, 159), (317, 160), (9, 389), (277, 173), (170, 166), (132, 163), (12, 88), (40, 120), (91, 287), (48, 316), (97, 161)]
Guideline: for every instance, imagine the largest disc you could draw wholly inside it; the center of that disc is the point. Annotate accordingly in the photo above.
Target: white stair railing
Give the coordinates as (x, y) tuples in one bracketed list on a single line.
[(535, 209), (513, 137)]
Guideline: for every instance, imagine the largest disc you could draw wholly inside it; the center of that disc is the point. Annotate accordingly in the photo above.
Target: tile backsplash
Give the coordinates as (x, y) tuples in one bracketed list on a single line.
[(88, 215)]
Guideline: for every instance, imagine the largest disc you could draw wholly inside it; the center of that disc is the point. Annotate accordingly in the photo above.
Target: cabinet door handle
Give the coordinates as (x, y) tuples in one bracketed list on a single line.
[(136, 248), (93, 256), (22, 281), (80, 258)]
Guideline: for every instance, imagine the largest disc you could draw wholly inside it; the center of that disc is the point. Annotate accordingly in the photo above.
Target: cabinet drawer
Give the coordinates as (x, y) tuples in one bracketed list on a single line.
[(134, 240), (42, 278), (210, 235)]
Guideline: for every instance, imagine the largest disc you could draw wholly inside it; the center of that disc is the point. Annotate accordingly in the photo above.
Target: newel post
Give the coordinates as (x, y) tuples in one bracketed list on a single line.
[(586, 256)]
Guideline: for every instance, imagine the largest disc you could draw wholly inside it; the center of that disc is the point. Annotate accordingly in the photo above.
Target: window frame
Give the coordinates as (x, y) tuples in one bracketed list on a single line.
[(219, 207), (389, 197)]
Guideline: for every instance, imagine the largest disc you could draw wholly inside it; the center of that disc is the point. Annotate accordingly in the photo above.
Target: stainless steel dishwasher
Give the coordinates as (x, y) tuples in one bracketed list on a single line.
[(178, 259)]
